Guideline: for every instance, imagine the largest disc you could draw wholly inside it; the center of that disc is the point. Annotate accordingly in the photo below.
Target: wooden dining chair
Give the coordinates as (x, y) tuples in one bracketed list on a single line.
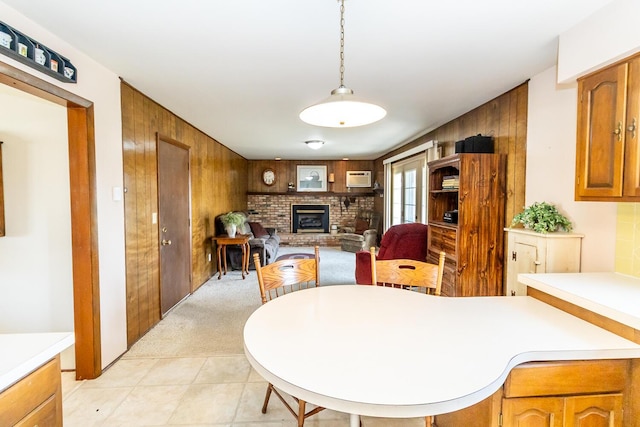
[(419, 276), (277, 279)]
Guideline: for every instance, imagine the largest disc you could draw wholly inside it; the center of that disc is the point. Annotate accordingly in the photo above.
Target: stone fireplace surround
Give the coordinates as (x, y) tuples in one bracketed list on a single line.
[(275, 211)]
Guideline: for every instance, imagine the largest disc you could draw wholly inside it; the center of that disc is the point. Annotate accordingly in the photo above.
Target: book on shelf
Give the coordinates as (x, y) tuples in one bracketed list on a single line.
[(451, 182)]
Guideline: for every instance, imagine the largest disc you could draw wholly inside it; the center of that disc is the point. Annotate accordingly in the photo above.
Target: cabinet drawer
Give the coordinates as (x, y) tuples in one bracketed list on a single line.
[(442, 239), (44, 415), (27, 394), (565, 378)]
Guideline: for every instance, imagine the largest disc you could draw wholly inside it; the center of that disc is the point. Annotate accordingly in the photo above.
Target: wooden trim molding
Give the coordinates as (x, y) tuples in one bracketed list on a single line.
[(2, 223), (84, 219)]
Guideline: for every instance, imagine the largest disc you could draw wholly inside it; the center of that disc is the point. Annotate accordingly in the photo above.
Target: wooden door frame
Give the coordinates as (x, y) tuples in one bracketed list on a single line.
[(84, 219)]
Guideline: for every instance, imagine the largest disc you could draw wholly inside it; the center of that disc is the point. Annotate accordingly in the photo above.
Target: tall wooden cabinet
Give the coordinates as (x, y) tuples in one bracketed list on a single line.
[(531, 252), (469, 187), (607, 156)]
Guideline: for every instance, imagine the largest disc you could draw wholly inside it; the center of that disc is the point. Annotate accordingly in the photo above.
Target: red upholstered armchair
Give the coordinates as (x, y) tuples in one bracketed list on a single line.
[(407, 241)]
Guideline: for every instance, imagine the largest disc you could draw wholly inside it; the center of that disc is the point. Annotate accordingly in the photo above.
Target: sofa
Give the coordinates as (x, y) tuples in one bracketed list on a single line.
[(264, 241), (403, 241)]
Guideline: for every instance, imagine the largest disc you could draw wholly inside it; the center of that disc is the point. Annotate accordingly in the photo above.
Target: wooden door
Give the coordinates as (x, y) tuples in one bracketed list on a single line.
[(601, 133), (532, 412), (174, 222)]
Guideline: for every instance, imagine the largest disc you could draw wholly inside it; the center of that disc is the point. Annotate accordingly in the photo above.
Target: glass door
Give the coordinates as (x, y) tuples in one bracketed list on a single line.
[(409, 191)]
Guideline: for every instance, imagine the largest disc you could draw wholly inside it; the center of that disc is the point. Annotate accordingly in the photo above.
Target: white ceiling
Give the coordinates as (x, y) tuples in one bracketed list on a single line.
[(242, 70)]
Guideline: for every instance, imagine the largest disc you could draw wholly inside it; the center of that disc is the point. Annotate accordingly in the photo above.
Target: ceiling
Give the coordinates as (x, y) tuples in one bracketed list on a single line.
[(242, 70)]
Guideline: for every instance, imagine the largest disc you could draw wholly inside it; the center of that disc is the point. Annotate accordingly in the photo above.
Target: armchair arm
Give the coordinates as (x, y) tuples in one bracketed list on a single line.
[(256, 242), (271, 230), (363, 267)]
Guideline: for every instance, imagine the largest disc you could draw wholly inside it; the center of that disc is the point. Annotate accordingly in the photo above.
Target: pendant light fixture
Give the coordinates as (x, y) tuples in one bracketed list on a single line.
[(342, 109)]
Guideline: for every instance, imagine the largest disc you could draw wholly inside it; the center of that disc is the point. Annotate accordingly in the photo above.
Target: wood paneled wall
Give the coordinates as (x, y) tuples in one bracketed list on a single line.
[(211, 164), (286, 171), (504, 118)]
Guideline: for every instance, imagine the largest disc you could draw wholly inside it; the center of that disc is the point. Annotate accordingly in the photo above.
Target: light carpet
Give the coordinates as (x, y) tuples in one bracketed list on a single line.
[(210, 321)]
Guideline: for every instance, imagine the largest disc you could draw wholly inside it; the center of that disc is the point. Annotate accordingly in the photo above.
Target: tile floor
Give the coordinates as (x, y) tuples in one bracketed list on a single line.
[(196, 392)]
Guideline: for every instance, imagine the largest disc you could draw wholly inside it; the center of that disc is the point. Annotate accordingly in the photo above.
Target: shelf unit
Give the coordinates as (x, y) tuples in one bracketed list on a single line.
[(53, 63), (474, 245)]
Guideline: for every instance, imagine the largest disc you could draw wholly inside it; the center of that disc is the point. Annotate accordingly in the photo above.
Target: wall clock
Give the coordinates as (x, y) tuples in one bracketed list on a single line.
[(269, 176)]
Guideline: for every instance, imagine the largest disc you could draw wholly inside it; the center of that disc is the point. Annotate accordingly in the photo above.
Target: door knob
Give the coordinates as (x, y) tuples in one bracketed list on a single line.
[(166, 242)]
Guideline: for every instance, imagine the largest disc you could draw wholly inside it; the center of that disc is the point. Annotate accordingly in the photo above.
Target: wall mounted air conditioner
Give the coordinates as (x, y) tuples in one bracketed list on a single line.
[(358, 179)]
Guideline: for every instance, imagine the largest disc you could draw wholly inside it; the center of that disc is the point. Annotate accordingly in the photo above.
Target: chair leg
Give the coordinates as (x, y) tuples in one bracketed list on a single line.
[(301, 409), (430, 421), (266, 398)]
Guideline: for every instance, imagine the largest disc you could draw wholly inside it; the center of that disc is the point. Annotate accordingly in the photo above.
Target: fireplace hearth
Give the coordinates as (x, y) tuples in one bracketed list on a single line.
[(309, 218)]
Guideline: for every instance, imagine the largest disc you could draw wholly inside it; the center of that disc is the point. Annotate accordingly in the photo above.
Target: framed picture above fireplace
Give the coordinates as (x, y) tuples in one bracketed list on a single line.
[(312, 178)]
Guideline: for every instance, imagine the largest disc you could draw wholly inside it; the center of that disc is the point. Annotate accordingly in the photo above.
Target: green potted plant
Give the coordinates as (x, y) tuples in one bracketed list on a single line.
[(231, 221), (542, 218)]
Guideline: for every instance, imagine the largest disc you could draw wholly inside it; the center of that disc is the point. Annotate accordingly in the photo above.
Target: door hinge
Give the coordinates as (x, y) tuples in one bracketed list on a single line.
[(500, 420), (514, 255)]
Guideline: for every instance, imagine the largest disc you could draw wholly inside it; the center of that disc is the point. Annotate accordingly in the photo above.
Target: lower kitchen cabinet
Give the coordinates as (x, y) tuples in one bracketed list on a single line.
[(604, 410), (35, 400), (552, 394)]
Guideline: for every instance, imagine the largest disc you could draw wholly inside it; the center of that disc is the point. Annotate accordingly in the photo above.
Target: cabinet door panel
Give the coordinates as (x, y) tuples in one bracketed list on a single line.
[(632, 153), (532, 412), (601, 125), (594, 411)]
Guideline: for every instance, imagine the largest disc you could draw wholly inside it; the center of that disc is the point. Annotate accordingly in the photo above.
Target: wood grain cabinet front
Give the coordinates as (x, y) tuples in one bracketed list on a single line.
[(607, 154), (553, 394), (35, 400)]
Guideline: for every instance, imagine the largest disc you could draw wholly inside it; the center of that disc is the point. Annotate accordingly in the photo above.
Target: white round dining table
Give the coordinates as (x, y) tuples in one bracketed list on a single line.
[(385, 352)]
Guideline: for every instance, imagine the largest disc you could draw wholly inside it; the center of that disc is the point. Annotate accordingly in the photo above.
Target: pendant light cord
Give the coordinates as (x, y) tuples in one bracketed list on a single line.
[(341, 43)]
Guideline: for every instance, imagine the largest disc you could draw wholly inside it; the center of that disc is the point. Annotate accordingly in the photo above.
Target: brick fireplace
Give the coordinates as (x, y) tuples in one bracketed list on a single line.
[(274, 210)]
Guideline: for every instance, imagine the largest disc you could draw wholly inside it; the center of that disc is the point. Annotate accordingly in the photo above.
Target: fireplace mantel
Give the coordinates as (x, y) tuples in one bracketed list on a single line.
[(311, 193)]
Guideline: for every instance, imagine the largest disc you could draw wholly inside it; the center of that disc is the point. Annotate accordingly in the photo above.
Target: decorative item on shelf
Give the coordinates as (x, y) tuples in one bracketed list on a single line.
[(291, 187), (28, 51), (378, 189), (231, 221), (5, 39), (342, 109), (542, 218)]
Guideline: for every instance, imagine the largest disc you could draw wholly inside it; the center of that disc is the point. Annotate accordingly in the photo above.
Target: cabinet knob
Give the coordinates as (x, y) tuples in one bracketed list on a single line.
[(618, 131), (632, 128)]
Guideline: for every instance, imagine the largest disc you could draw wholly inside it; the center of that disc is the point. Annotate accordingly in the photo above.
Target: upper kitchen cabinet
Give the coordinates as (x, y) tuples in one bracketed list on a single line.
[(607, 163)]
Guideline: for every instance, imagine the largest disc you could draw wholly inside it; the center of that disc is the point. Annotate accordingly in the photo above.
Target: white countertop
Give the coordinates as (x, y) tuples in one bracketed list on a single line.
[(20, 354), (613, 295), (379, 351)]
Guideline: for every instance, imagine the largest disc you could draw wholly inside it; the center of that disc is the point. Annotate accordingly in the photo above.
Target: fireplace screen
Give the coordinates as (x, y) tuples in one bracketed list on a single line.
[(310, 218)]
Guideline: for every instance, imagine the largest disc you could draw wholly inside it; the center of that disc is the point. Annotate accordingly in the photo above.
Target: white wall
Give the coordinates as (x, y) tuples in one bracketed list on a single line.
[(608, 35), (35, 255), (102, 87), (551, 156)]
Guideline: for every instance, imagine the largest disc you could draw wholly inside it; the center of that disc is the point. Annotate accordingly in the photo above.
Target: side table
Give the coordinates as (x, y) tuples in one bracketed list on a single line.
[(223, 241)]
